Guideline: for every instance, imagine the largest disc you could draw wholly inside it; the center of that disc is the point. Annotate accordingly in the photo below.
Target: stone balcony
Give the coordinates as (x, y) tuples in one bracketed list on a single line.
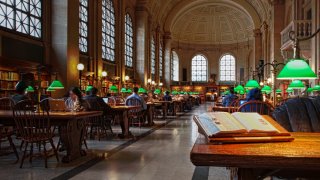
[(302, 28)]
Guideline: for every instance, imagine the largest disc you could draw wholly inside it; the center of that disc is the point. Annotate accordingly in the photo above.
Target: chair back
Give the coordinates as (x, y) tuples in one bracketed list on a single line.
[(6, 103), (134, 102), (263, 108), (30, 123), (119, 100), (236, 102)]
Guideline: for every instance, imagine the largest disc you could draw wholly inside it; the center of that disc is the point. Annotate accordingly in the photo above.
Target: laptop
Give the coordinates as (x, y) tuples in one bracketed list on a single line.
[(57, 105)]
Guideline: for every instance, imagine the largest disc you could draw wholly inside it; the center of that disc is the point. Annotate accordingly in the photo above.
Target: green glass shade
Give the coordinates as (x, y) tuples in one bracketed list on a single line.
[(123, 90), (50, 89), (88, 88), (316, 88), (238, 88), (296, 84), (113, 88), (309, 90), (278, 91), (226, 92), (297, 69), (157, 91), (142, 90), (181, 92), (252, 84), (289, 90), (129, 91), (56, 84), (174, 92), (266, 89), (30, 89), (242, 92)]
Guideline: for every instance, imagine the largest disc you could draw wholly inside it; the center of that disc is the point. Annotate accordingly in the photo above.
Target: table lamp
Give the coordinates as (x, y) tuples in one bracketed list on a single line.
[(252, 84), (296, 84)]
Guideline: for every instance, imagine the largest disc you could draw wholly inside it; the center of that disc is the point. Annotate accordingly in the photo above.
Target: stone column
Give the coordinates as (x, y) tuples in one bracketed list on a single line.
[(65, 42), (167, 59), (142, 45), (257, 47), (157, 44)]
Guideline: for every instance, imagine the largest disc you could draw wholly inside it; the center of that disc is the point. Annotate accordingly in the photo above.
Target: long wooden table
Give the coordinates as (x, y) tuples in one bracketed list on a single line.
[(72, 129), (122, 112), (302, 154)]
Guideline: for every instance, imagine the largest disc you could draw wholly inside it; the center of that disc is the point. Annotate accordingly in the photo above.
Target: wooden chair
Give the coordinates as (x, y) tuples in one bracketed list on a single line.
[(119, 100), (7, 132), (101, 124), (34, 128), (260, 107), (136, 115)]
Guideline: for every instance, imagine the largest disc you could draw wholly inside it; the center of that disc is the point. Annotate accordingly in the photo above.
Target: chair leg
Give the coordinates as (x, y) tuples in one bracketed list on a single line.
[(13, 147), (21, 145), (54, 149), (24, 154), (45, 155), (85, 144), (31, 153)]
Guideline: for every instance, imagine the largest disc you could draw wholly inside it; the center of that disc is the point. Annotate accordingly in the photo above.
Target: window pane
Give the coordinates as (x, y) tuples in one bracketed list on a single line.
[(199, 68), (227, 68), (23, 16), (108, 30), (128, 41)]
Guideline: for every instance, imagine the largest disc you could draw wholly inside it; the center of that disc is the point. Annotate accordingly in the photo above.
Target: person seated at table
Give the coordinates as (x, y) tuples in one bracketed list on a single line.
[(75, 102), (167, 96), (20, 92), (255, 95), (226, 102), (150, 97), (94, 100), (135, 95)]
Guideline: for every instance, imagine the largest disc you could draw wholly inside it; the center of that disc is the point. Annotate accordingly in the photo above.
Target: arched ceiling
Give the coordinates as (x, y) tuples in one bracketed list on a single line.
[(213, 24), (183, 18)]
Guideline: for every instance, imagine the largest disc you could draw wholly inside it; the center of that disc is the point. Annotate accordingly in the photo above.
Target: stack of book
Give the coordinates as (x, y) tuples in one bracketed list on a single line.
[(223, 127)]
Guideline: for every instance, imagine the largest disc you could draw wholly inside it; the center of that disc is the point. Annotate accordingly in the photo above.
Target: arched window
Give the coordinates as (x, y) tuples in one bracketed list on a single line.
[(174, 66), (22, 16), (160, 60), (199, 68), (227, 68), (83, 25), (153, 58), (108, 30), (128, 41)]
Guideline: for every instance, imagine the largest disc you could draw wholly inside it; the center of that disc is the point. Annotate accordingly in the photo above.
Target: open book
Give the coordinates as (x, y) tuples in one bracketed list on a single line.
[(223, 123)]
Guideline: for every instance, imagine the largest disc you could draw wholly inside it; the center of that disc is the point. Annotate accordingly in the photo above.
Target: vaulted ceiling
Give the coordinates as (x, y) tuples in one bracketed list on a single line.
[(208, 21)]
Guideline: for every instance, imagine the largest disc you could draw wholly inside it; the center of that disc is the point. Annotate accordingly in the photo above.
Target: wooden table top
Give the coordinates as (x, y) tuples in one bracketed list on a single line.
[(58, 115), (224, 109), (302, 153), (123, 108)]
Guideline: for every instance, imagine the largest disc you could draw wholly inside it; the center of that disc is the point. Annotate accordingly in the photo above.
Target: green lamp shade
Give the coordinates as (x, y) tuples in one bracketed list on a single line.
[(239, 88), (50, 89), (113, 88), (88, 88), (123, 90), (226, 92), (30, 89), (297, 69), (289, 90), (316, 88), (266, 89), (181, 92), (174, 92), (252, 84), (56, 84), (278, 91), (296, 84), (309, 90), (129, 91), (242, 92), (157, 91), (142, 90)]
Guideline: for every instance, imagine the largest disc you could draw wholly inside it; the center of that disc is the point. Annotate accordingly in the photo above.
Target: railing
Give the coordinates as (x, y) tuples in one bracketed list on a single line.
[(302, 28)]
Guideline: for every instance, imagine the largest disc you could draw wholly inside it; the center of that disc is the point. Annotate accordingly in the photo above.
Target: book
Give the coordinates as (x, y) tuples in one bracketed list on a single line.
[(240, 126)]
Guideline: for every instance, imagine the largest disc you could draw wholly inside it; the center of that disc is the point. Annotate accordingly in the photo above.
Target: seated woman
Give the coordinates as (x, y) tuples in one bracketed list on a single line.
[(259, 107), (75, 102), (229, 98)]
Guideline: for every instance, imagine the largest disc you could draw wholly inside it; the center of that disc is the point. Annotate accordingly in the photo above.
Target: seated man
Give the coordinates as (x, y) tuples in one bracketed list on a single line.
[(135, 95), (20, 92), (226, 102), (167, 97), (95, 101)]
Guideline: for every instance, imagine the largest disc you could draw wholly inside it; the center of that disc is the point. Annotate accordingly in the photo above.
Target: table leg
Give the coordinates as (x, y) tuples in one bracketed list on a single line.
[(150, 116), (245, 174), (124, 118), (72, 135), (165, 110)]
